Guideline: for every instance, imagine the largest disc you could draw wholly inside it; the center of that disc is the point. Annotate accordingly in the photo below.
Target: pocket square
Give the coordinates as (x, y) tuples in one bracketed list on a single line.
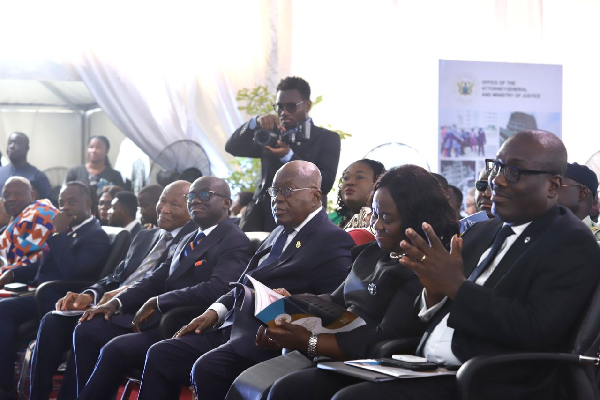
[(199, 263)]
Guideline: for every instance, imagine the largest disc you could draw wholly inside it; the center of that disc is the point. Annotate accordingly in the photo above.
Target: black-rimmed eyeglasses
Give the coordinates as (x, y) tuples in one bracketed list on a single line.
[(289, 107), (202, 196), (511, 173), (285, 191)]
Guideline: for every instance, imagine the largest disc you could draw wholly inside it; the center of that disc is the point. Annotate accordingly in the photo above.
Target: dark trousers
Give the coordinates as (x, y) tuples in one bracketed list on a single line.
[(53, 340), (119, 356), (14, 311), (88, 339), (317, 384), (169, 363)]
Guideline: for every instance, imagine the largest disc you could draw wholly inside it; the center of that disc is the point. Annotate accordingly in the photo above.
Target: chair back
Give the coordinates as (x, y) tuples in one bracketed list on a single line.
[(256, 238), (119, 243)]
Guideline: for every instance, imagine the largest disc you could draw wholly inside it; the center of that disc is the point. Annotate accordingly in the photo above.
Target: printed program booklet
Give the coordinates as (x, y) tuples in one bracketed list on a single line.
[(375, 372), (312, 312)]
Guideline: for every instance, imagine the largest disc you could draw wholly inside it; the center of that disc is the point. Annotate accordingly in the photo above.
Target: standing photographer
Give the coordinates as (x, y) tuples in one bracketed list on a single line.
[(278, 139)]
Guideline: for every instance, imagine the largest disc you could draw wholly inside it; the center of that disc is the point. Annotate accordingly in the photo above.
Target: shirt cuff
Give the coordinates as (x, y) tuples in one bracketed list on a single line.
[(425, 314), (94, 295), (287, 157), (252, 123), (158, 304), (118, 310), (221, 311)]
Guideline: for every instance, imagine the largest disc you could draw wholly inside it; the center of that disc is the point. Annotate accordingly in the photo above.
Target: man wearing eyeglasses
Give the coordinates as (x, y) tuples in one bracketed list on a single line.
[(109, 344), (305, 253), (483, 193), (516, 283), (322, 149), (579, 191)]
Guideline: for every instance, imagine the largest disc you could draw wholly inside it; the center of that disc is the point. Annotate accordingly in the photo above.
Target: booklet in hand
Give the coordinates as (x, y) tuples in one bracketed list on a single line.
[(312, 312)]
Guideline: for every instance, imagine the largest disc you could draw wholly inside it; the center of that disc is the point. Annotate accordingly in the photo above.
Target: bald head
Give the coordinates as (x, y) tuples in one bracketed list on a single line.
[(17, 195), (305, 173), (547, 150)]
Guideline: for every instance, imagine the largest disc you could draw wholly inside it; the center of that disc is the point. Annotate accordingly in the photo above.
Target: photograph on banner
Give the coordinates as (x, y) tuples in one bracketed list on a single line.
[(468, 134)]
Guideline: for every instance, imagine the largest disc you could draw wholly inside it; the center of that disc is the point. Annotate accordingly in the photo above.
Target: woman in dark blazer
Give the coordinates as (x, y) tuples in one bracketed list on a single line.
[(378, 288)]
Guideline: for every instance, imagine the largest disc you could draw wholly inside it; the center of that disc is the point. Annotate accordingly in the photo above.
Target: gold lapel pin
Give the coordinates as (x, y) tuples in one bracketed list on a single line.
[(298, 244)]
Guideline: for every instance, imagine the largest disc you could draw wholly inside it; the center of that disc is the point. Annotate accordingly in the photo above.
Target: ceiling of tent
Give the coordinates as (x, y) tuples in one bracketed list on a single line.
[(72, 95)]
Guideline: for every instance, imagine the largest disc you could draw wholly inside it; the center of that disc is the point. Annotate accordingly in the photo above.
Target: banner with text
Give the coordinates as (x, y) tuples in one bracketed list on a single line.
[(481, 104)]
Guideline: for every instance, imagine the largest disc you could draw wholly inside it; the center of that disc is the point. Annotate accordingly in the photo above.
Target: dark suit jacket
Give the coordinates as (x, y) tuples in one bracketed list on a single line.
[(222, 254), (382, 292), (532, 299), (316, 261), (140, 247), (323, 149), (137, 228), (77, 255)]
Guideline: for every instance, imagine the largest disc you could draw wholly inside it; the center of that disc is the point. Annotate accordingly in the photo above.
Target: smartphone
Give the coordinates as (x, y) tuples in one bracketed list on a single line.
[(410, 365)]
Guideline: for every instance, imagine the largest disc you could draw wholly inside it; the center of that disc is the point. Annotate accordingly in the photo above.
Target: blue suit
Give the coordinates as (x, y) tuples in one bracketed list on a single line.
[(55, 332), (73, 256), (198, 279), (316, 261)]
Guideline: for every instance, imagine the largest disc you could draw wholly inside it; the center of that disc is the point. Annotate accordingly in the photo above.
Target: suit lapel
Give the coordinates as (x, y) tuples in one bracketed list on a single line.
[(302, 237), (214, 237), (484, 237), (532, 233)]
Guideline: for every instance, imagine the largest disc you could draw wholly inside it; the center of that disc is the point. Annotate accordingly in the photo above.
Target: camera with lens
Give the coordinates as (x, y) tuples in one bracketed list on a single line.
[(300, 133)]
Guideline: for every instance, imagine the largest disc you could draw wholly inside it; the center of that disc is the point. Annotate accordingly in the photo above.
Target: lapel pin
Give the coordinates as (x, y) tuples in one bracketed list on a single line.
[(527, 239), (298, 244), (74, 234)]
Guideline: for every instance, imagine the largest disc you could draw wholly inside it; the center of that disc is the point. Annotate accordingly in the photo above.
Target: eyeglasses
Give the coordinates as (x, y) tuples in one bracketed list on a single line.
[(481, 186), (202, 196), (289, 107), (511, 173), (285, 191)]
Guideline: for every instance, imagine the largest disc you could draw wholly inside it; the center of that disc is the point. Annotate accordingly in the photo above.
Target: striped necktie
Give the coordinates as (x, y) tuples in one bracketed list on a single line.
[(149, 263), (191, 245)]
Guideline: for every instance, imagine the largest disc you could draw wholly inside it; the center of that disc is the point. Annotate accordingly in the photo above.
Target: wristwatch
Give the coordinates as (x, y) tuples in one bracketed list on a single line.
[(312, 344)]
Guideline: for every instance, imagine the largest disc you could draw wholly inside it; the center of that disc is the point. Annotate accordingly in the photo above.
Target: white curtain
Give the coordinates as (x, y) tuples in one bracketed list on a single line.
[(180, 80)]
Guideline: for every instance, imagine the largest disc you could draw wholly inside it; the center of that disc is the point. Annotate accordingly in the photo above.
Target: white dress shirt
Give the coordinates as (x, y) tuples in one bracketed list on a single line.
[(220, 308), (438, 348)]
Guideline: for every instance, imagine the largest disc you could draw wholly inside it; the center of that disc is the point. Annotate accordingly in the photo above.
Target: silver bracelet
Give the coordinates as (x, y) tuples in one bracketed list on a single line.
[(312, 344)]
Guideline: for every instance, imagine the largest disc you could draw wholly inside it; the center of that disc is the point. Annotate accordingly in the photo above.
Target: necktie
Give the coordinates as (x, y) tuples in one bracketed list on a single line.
[(277, 248), (148, 264), (190, 246), (501, 236)]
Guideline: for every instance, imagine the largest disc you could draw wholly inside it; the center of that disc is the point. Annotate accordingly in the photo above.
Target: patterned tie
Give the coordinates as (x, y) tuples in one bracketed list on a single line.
[(501, 236), (277, 248), (148, 264), (190, 246)]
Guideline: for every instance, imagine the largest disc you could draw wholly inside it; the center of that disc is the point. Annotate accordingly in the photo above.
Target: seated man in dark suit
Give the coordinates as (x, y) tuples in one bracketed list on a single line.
[(149, 249), (123, 211), (517, 282), (198, 273), (78, 249), (305, 253)]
